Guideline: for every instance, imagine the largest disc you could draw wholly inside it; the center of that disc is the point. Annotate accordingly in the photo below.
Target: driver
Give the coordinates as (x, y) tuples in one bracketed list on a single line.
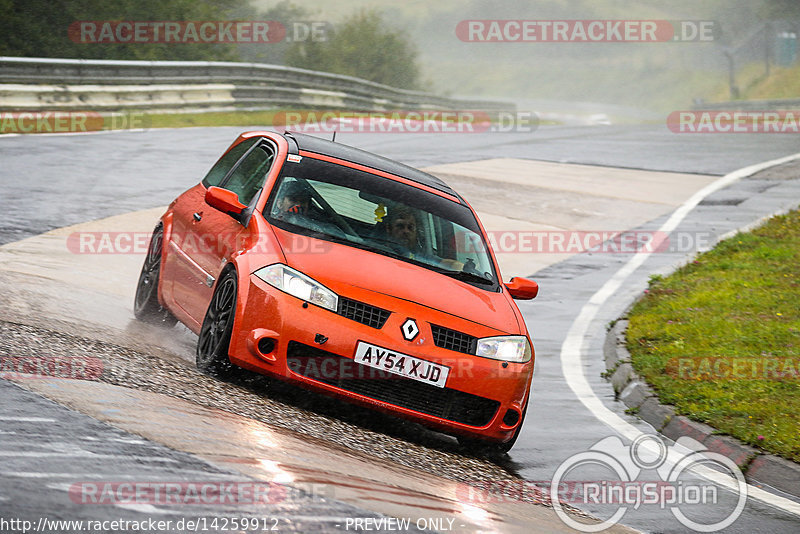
[(401, 225)]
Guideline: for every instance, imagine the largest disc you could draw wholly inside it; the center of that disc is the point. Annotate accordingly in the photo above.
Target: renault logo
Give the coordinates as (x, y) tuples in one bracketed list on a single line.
[(410, 329)]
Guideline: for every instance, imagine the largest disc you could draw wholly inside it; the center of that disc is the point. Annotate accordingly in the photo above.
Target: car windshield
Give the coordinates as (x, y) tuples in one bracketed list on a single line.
[(338, 203)]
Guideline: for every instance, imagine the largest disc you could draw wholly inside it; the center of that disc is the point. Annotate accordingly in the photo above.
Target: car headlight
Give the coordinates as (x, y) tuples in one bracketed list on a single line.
[(506, 348), (298, 285)]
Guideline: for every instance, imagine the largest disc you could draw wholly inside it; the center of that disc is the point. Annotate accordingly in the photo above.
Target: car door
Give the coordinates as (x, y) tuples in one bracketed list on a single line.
[(205, 237)]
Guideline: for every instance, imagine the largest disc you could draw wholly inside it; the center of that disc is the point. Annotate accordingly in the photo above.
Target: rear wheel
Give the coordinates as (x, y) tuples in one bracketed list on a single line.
[(146, 307), (215, 334)]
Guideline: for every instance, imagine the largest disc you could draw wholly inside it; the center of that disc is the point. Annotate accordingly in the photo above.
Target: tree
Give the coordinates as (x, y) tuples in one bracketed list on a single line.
[(39, 28), (782, 9), (287, 14), (362, 46)]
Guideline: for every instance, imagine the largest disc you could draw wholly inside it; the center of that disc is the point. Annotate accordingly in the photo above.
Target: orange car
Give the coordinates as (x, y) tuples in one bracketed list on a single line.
[(349, 274)]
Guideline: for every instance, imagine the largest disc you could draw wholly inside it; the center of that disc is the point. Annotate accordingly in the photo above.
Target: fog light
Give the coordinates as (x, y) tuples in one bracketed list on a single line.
[(511, 417), (266, 345)]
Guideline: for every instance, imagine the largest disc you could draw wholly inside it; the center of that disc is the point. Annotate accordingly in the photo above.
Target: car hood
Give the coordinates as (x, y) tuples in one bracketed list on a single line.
[(338, 266)]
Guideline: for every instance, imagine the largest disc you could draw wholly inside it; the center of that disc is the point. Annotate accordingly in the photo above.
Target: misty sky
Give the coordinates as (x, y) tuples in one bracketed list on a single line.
[(655, 75)]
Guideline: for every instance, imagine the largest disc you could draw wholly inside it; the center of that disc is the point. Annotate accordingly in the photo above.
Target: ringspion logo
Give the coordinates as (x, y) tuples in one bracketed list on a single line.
[(693, 502)]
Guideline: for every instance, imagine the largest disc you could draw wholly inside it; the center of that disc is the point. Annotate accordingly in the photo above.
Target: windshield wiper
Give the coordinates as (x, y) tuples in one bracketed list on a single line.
[(465, 276)]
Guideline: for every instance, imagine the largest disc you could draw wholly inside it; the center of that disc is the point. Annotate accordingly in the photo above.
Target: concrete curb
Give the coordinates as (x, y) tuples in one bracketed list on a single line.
[(758, 467)]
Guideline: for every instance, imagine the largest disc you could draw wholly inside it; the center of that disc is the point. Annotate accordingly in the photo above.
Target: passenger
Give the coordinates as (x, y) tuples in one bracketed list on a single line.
[(296, 200)]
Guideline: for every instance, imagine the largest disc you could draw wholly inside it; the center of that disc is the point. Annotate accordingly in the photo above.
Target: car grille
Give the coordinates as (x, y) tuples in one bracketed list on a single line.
[(453, 340), (446, 403), (362, 313)]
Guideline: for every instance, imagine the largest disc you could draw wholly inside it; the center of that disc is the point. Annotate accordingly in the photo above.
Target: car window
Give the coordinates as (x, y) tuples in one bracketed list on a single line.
[(247, 178), (383, 216), (223, 166)]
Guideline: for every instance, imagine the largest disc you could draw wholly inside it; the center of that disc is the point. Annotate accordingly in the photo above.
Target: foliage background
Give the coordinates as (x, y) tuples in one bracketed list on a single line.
[(413, 45)]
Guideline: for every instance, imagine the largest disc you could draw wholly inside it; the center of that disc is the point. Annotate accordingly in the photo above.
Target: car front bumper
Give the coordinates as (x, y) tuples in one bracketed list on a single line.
[(280, 335)]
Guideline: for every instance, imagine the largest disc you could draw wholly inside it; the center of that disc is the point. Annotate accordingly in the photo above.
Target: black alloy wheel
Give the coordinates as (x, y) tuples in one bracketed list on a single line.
[(215, 334), (146, 307)]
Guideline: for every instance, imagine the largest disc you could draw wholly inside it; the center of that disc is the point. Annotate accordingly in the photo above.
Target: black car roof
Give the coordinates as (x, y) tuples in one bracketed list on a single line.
[(368, 159)]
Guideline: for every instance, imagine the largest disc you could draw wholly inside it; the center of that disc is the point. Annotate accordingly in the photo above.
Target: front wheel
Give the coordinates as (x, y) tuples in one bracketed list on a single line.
[(146, 307), (215, 334)]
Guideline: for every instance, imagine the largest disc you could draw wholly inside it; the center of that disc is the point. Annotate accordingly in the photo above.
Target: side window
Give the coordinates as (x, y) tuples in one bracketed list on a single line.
[(221, 167), (248, 177)]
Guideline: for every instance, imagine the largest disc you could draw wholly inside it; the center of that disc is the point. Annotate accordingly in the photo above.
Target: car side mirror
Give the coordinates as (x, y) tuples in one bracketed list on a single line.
[(522, 288), (225, 201)]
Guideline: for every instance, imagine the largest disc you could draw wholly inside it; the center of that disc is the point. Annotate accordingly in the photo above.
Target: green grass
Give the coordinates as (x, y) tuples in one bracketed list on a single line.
[(223, 118), (782, 83), (720, 338), (754, 84)]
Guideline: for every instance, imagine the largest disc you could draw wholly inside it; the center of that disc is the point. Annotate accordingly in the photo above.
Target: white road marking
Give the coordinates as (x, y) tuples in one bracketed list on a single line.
[(147, 509), (34, 474), (81, 454), (131, 441), (92, 132), (573, 347), (112, 476)]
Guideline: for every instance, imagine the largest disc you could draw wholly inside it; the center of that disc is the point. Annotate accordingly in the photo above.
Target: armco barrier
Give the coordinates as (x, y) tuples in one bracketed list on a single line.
[(48, 84)]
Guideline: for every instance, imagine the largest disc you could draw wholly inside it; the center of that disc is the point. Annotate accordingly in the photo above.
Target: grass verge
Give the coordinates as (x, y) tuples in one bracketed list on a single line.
[(212, 118), (720, 338), (266, 118)]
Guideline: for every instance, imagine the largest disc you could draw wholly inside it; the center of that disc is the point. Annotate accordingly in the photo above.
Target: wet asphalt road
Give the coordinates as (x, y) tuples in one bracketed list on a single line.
[(78, 456), (49, 182), (559, 426)]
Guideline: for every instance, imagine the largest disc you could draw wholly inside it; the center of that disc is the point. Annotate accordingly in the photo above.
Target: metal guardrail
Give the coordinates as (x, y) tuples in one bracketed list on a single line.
[(254, 84)]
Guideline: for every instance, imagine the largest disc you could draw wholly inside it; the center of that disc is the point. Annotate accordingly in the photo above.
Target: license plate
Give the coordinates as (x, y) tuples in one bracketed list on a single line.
[(401, 364)]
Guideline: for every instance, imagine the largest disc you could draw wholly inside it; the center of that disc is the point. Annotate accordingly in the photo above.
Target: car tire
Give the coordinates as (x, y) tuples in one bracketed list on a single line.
[(215, 334), (146, 307), (482, 446)]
